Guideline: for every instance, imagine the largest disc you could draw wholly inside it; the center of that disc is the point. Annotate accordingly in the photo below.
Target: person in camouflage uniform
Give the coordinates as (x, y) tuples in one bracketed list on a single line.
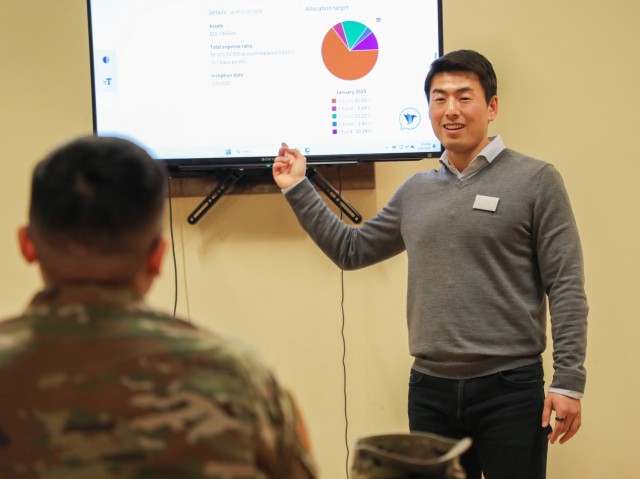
[(95, 384)]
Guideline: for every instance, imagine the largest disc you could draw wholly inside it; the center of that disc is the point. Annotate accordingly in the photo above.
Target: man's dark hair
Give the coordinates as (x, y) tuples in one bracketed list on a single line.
[(465, 61), (96, 189)]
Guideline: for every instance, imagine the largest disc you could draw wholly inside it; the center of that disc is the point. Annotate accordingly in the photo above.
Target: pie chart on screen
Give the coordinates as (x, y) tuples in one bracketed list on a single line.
[(350, 50)]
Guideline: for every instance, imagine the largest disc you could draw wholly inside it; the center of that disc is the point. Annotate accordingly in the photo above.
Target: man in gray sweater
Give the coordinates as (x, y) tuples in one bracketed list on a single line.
[(491, 239)]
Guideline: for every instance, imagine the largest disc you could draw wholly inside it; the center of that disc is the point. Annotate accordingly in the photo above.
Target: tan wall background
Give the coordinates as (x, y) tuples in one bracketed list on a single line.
[(568, 79)]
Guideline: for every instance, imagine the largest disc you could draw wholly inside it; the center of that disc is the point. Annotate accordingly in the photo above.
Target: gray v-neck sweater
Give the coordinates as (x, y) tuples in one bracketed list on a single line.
[(479, 277)]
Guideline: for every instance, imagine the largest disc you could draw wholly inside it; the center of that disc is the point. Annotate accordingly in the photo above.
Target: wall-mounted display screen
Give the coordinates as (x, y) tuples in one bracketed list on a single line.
[(217, 83)]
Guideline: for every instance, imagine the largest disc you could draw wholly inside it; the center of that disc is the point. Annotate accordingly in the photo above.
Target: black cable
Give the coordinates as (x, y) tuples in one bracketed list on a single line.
[(344, 345), (173, 250), (344, 376)]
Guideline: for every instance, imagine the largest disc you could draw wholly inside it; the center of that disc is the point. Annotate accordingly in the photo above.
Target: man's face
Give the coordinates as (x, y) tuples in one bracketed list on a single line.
[(460, 114)]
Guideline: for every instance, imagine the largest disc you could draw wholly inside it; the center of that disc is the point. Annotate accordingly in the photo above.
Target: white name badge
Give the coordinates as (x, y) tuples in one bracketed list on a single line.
[(486, 203)]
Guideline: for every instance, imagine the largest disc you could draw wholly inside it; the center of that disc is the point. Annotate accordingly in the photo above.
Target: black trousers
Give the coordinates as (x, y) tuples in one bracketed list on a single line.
[(502, 413)]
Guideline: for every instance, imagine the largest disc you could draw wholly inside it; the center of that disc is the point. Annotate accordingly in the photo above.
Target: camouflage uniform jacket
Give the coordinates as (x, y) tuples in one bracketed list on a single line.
[(94, 384)]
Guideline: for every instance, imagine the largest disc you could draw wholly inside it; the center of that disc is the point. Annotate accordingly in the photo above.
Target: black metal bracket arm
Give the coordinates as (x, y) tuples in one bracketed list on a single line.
[(211, 199), (334, 195)]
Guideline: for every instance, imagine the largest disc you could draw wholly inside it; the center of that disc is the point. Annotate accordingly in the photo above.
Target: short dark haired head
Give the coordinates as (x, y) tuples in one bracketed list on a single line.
[(465, 61), (97, 193)]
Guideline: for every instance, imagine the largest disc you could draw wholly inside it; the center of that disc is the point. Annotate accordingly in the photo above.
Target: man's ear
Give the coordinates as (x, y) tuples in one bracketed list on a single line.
[(27, 246), (154, 261), (493, 108)]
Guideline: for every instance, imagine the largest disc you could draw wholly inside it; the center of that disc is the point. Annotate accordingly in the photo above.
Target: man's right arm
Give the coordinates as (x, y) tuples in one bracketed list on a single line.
[(348, 247)]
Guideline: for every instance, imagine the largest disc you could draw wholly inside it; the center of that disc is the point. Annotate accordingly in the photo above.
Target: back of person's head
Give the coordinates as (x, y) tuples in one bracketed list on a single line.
[(96, 208), (466, 61)]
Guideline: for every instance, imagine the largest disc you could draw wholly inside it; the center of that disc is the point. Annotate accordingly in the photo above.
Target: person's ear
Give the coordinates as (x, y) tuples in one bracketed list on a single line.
[(493, 108), (154, 261), (27, 246)]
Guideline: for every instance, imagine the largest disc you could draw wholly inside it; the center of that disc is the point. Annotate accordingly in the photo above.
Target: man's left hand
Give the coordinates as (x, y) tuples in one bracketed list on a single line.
[(567, 420)]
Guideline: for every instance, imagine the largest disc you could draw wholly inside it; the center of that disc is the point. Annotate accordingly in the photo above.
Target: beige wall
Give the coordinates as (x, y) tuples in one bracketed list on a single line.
[(569, 73)]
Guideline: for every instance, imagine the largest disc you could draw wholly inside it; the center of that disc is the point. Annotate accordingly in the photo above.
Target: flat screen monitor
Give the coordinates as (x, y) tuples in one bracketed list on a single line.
[(204, 84)]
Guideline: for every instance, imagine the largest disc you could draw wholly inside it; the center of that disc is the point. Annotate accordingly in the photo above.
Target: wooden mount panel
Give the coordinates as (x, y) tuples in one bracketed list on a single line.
[(360, 176)]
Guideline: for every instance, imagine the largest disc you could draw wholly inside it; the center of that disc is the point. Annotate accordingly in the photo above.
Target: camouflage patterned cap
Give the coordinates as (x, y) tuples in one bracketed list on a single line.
[(409, 456)]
